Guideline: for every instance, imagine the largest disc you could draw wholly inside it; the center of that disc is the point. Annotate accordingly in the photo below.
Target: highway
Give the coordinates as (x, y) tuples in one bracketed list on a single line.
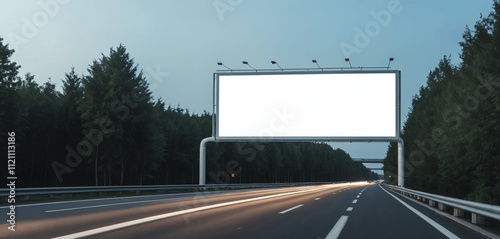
[(347, 210)]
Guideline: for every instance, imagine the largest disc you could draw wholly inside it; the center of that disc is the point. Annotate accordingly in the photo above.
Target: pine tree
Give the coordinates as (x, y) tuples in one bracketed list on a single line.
[(9, 105), (116, 95)]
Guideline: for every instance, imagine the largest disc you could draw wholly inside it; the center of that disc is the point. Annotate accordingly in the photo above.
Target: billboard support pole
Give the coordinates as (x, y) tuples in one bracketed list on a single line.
[(401, 163), (203, 159)]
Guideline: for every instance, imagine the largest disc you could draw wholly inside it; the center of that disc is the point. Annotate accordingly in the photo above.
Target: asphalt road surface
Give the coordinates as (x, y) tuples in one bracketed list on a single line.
[(348, 210)]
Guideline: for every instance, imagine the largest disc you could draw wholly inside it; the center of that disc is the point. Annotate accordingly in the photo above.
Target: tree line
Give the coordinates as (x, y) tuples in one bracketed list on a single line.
[(105, 128), (452, 133)]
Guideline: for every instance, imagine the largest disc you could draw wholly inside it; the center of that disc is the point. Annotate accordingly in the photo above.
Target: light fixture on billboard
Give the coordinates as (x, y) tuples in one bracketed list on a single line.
[(390, 60), (221, 64), (348, 60), (276, 63), (246, 63), (316, 62)]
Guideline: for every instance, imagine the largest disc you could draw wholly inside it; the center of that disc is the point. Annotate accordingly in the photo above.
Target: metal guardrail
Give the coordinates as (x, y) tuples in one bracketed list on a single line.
[(477, 210), (5, 192)]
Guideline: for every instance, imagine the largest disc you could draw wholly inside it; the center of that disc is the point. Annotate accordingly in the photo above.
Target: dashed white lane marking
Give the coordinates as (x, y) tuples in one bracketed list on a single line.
[(316, 199), (337, 229), (290, 209), (357, 196), (426, 218), (355, 201), (333, 193), (349, 209)]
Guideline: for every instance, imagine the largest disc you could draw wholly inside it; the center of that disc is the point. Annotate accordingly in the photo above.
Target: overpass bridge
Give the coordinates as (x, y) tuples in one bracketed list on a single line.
[(376, 168), (370, 160)]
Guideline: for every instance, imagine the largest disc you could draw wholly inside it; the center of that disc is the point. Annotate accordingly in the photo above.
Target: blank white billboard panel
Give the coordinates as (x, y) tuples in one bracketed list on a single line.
[(308, 106)]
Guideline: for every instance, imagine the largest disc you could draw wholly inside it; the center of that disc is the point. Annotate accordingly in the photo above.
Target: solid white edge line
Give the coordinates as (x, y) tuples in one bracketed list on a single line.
[(177, 213), (337, 229), (290, 209), (433, 223)]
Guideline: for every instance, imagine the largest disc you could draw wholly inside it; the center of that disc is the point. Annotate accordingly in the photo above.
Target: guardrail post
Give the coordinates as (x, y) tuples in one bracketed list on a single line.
[(477, 219), (432, 203), (203, 159), (401, 163), (441, 206), (457, 212)]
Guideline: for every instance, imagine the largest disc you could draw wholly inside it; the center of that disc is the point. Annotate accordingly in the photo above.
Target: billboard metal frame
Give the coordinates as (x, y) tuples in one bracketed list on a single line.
[(214, 138), (215, 121)]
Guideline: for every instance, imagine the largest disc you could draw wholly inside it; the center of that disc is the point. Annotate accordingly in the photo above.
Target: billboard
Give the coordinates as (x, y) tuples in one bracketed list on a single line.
[(307, 106)]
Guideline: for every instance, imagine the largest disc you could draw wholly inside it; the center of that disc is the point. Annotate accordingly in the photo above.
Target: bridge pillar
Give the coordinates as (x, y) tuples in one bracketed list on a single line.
[(401, 163)]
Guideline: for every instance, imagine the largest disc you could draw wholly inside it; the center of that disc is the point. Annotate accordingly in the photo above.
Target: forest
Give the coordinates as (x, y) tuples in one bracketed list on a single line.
[(105, 128), (452, 133)]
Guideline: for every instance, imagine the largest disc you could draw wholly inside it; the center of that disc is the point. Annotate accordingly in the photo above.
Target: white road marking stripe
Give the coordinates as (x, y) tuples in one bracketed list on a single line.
[(426, 218), (117, 198), (177, 213), (333, 193), (349, 209), (355, 201), (337, 229), (290, 209), (127, 197), (357, 196), (316, 199)]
